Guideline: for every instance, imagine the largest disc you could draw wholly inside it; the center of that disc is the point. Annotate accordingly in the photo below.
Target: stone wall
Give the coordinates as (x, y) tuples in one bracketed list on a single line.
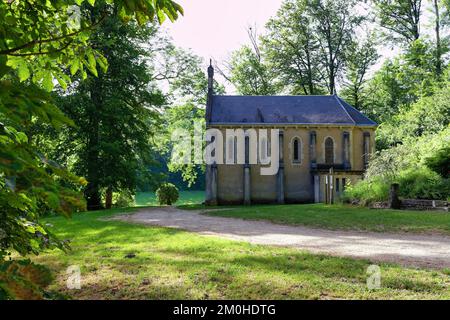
[(415, 204)]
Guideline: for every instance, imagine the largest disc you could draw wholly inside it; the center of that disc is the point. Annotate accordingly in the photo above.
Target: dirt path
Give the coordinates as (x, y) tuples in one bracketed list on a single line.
[(432, 251)]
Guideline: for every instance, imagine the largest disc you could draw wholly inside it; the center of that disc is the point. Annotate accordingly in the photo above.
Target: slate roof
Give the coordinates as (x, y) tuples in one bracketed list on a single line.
[(285, 110)]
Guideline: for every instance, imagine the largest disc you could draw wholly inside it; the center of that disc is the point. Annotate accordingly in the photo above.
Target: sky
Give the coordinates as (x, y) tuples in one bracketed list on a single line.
[(214, 28)]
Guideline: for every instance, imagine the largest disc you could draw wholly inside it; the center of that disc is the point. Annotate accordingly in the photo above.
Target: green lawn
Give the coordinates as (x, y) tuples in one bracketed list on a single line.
[(342, 217), (173, 264), (186, 198)]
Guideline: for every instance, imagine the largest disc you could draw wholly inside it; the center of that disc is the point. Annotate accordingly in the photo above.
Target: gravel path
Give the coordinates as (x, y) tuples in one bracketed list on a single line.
[(431, 251)]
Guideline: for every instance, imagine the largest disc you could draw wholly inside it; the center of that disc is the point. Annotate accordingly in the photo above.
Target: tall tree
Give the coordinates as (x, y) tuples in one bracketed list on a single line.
[(360, 57), (38, 44), (115, 113), (291, 47), (401, 81), (249, 73), (401, 18), (437, 30), (335, 23)]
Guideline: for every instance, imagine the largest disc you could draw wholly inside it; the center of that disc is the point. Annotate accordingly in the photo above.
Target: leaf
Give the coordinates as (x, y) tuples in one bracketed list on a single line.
[(161, 17), (4, 69), (91, 59), (103, 63), (47, 81), (74, 66), (61, 82), (91, 2), (23, 72)]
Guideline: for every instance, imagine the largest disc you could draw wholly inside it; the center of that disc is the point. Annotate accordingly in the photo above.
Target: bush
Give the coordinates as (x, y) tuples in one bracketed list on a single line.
[(422, 183), (123, 199), (418, 183), (367, 191), (167, 193), (440, 162)]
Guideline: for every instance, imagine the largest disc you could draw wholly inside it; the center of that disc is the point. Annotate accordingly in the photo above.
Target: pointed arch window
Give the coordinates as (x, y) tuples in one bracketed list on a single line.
[(329, 150)]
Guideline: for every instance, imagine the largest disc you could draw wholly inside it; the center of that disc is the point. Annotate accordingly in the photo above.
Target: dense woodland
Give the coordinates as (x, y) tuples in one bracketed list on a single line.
[(90, 96)]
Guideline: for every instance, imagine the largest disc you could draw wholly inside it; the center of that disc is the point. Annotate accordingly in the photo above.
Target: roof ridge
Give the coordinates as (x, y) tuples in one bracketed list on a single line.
[(359, 112), (342, 106), (284, 95)]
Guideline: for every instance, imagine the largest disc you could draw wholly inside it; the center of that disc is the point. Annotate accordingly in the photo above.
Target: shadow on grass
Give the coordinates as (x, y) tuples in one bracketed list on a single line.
[(174, 264)]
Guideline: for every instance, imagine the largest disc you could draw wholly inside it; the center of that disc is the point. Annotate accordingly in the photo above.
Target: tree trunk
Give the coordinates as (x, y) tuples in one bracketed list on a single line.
[(108, 200), (438, 39), (92, 192)]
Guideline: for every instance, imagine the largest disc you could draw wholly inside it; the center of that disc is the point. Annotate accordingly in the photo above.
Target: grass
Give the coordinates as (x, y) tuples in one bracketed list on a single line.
[(341, 217), (173, 264), (186, 198)]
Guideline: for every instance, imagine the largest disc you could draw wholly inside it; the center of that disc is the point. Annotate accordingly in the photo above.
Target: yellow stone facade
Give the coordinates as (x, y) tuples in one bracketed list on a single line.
[(303, 180)]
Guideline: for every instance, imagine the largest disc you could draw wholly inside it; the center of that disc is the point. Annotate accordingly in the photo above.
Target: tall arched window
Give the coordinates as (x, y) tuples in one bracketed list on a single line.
[(296, 150), (329, 151)]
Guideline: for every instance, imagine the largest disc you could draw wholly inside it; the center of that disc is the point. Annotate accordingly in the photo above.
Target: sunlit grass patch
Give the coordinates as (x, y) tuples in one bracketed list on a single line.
[(165, 263)]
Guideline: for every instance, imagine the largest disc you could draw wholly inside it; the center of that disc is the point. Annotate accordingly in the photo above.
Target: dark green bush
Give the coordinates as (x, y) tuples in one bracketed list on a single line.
[(440, 162), (423, 184), (419, 183), (167, 193)]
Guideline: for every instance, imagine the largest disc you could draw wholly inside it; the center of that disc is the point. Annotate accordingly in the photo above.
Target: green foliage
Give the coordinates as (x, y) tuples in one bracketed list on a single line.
[(423, 184), (400, 18), (400, 82), (42, 42), (307, 44), (439, 162), (367, 191), (250, 74), (360, 58), (167, 193), (115, 113), (123, 199), (429, 115), (188, 88), (419, 183), (24, 280), (29, 179)]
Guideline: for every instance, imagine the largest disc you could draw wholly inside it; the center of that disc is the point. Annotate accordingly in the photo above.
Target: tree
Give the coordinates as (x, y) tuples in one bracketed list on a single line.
[(307, 43), (401, 18), (188, 93), (115, 113), (248, 71), (335, 24), (360, 58), (40, 41), (292, 49), (400, 82), (438, 37)]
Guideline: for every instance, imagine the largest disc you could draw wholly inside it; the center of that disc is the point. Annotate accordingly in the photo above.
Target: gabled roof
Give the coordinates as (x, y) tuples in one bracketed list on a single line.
[(285, 110)]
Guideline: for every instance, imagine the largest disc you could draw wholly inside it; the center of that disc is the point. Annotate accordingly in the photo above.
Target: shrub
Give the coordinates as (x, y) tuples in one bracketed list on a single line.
[(440, 162), (418, 183), (422, 183), (367, 191), (167, 193), (123, 199)]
